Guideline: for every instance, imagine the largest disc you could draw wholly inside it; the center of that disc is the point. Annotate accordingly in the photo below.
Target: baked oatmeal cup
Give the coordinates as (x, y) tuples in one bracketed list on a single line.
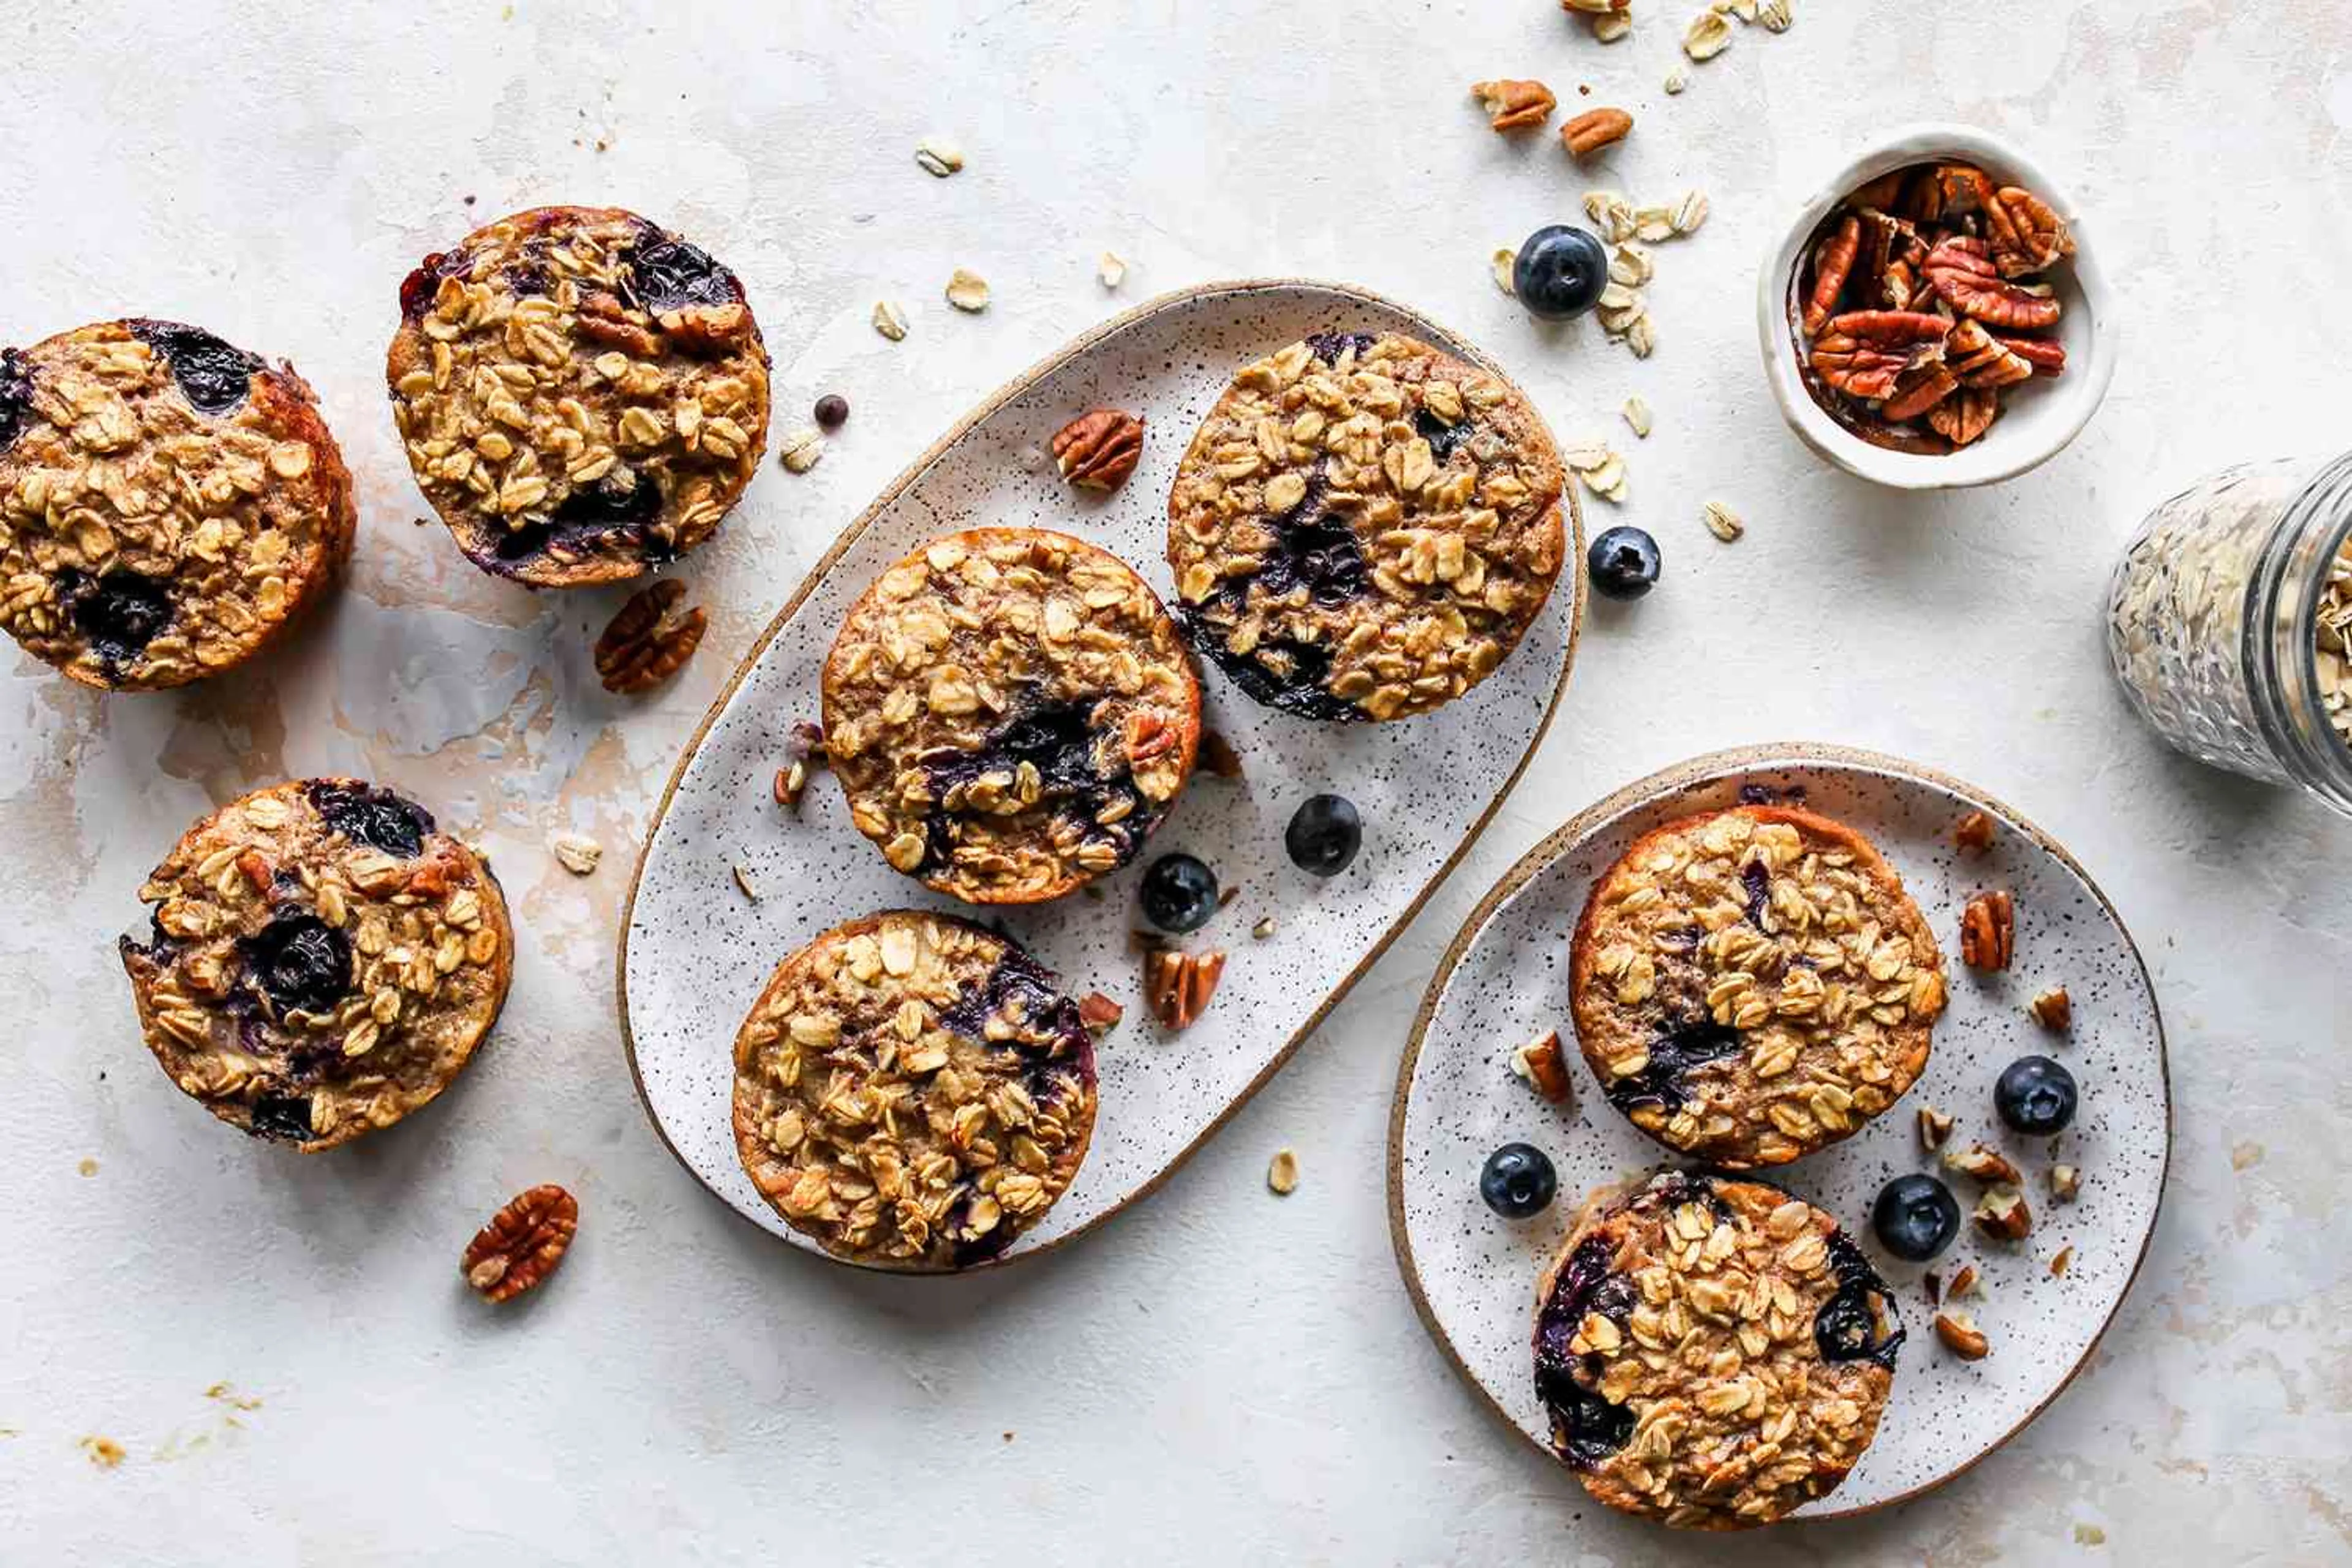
[(1753, 984), (913, 1091), (1009, 713), (1364, 526), (1713, 1352), (322, 961), (168, 503), (582, 394)]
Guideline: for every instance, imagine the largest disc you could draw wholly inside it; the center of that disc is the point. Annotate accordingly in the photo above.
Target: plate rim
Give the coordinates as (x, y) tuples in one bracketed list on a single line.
[(1004, 393), (1666, 781)]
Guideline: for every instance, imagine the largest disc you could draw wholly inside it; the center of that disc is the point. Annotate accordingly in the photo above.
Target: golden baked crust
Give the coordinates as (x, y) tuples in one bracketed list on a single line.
[(322, 961), (167, 503), (1753, 984), (1364, 526), (1713, 1353), (582, 394), (913, 1091), (1009, 713)]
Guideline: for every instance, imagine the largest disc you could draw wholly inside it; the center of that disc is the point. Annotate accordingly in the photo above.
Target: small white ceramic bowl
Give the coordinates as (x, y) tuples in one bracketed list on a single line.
[(2037, 418)]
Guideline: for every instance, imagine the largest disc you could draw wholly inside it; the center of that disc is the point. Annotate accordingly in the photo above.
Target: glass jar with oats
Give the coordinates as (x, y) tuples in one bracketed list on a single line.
[(2229, 622)]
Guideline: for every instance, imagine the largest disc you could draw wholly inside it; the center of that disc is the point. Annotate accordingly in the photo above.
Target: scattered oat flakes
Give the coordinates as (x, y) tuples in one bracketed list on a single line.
[(104, 1452), (1677, 79), (967, 290), (1603, 470), (2089, 1535), (1610, 28), (1503, 262), (939, 156), (1111, 269), (743, 880), (801, 449), (577, 853), (1282, 1172), (1722, 521), (1637, 414), (87, 1167), (1689, 213), (1774, 16), (1707, 35), (1264, 928), (890, 320)]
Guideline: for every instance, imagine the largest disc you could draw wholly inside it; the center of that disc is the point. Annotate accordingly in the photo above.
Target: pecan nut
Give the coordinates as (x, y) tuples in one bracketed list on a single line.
[(1097, 451), (2046, 357), (1965, 416), (2052, 1009), (2023, 234), (1595, 128), (1935, 1127), (1540, 1063), (2065, 1184), (647, 640), (1961, 1336), (1974, 833), (1980, 359), (1833, 260), (1981, 1164), (2001, 1212), (1099, 1014), (522, 1244), (1964, 279), (1514, 105), (1180, 985), (1989, 931), (803, 753), (1865, 354)]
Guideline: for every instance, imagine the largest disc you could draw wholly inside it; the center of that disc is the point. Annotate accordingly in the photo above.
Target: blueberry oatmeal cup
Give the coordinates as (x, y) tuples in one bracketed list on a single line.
[(1011, 712), (913, 1091), (1364, 526), (1713, 1352), (582, 394), (321, 961), (1754, 984), (168, 503)]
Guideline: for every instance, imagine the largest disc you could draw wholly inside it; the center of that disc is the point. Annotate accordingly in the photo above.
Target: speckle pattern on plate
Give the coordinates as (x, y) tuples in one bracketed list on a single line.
[(1505, 980), (696, 951)]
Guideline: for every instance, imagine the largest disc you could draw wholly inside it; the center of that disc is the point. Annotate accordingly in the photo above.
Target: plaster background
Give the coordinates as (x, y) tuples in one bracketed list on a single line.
[(1217, 1375)]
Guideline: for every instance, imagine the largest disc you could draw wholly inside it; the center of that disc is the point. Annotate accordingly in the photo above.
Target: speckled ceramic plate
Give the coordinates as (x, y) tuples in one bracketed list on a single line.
[(695, 950), (1505, 980)]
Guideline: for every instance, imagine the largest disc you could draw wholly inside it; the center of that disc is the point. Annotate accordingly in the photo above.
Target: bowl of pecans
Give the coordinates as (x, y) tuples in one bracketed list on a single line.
[(1933, 317)]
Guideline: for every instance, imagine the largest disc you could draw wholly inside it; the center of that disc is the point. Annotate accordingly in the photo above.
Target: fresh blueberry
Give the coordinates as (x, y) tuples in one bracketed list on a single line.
[(1180, 894), (1518, 1181), (2035, 1095), (1916, 1217), (1560, 271), (1324, 834), (1623, 561)]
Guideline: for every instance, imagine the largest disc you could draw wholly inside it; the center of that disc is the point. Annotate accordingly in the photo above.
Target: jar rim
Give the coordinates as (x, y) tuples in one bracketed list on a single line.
[(2312, 533)]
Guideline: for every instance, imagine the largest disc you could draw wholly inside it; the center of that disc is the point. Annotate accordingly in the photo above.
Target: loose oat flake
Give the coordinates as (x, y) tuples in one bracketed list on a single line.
[(577, 853), (967, 290), (743, 880), (1708, 36), (1637, 414), (1722, 521), (1111, 269), (1503, 262), (890, 320), (1677, 79), (1282, 1172), (801, 449), (939, 156)]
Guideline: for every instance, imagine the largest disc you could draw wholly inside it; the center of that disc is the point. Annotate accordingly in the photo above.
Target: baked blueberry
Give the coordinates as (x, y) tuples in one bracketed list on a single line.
[(1518, 1181), (1560, 270), (1623, 561), (1324, 834), (2035, 1095), (1916, 1217), (1180, 894), (212, 376)]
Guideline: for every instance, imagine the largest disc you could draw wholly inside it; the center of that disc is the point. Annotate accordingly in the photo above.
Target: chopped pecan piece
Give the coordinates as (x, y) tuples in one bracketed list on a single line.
[(1974, 833), (1961, 1336), (1964, 1282), (1097, 451), (803, 753), (1935, 1127), (1962, 277), (1965, 416), (647, 641), (2046, 357), (1098, 1013), (1864, 352), (2065, 1184), (2002, 1212), (1515, 105), (1982, 1163), (2053, 1009), (1180, 984), (1919, 389), (1989, 931), (1591, 131), (2023, 235), (1832, 264), (1540, 1062), (522, 1244)]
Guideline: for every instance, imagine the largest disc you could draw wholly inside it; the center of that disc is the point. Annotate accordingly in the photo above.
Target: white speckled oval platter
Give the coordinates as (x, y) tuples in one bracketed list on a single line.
[(696, 949), (1503, 981)]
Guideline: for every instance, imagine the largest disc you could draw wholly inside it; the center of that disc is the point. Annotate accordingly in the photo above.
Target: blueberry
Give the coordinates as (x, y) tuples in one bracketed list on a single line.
[(1624, 562), (1676, 1050), (668, 274), (117, 614), (16, 392), (375, 817), (301, 963), (281, 1116), (1180, 894), (1518, 1181), (1324, 834), (1916, 1217), (2035, 1095), (213, 375), (1560, 271)]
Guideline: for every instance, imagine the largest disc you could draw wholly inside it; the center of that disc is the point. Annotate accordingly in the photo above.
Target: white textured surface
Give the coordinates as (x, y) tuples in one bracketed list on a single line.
[(1220, 1375)]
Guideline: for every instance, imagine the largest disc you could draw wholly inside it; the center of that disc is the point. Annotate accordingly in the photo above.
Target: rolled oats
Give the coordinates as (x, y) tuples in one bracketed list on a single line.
[(577, 853), (1637, 414), (1282, 1173), (1503, 263), (967, 290), (582, 394), (1722, 521), (1364, 526), (890, 320), (939, 156), (801, 449), (913, 1091), (1111, 269), (1754, 984)]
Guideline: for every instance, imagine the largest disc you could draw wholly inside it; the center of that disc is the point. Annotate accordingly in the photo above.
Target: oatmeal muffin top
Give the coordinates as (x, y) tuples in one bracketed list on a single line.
[(167, 502), (1713, 1352), (582, 394), (322, 961), (1364, 526), (1754, 984), (1011, 713), (913, 1091)]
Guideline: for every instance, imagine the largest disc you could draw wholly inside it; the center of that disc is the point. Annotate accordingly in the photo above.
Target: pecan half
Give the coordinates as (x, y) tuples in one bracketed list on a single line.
[(2053, 1009), (1594, 129), (1989, 931), (1980, 359), (1980, 1163), (1832, 264), (2023, 234), (1097, 451), (1864, 352), (2046, 357), (2002, 1212), (1179, 985), (1961, 1336), (1919, 389), (1515, 105), (1965, 415), (1964, 278), (522, 1244), (647, 641)]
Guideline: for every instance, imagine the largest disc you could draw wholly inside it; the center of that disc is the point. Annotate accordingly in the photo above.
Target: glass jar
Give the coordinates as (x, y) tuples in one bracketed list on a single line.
[(2213, 622)]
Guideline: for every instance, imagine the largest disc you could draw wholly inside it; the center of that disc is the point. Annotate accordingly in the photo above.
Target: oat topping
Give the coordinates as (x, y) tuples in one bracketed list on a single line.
[(582, 394), (939, 156), (1111, 269), (1754, 984), (890, 320), (167, 502), (913, 1091), (1502, 263), (800, 448), (1722, 521), (1364, 526), (967, 290), (1011, 712), (2334, 655), (322, 961), (1282, 1173), (1713, 1353)]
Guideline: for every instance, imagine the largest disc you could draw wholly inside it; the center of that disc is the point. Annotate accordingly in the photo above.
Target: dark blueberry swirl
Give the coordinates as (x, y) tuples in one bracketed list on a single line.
[(1586, 1428), (16, 392), (1678, 1049), (1057, 738), (375, 817), (1858, 1321), (299, 963), (117, 614), (665, 273), (213, 375)]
